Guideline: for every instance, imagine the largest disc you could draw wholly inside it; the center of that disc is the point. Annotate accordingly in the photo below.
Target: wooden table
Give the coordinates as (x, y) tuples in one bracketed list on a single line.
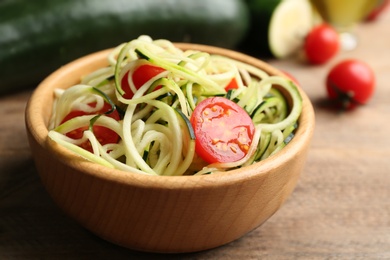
[(339, 210)]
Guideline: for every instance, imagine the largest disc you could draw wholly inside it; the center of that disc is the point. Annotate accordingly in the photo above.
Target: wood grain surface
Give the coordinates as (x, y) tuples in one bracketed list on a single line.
[(339, 210)]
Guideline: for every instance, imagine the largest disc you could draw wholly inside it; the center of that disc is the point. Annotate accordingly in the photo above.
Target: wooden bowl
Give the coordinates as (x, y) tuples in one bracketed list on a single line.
[(161, 214)]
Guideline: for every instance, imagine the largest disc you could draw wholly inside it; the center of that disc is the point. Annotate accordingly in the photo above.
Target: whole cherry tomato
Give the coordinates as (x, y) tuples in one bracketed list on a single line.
[(223, 130), (350, 83), (140, 76), (103, 134), (378, 10), (321, 44)]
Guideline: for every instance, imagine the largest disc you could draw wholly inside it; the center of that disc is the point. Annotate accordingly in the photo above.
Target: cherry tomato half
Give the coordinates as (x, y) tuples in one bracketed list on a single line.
[(350, 83), (321, 44), (223, 130), (140, 76), (103, 134)]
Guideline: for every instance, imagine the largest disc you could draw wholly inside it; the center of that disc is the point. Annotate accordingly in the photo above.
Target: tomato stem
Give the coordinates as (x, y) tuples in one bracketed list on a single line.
[(344, 98)]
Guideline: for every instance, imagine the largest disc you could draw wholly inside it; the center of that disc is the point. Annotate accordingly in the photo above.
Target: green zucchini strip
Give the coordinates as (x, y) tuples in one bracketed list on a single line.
[(156, 135)]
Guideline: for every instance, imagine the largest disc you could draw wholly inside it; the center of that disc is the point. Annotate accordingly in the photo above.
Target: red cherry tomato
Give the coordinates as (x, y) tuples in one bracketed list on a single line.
[(350, 83), (232, 85), (103, 134), (140, 76), (223, 130), (321, 44), (378, 10)]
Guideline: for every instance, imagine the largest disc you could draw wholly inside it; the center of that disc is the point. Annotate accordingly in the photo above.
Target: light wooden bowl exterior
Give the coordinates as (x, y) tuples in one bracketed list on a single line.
[(161, 214)]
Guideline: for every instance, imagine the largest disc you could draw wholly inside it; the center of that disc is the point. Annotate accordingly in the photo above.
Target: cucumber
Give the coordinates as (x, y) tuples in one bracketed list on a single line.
[(213, 88), (278, 27), (37, 37), (265, 140), (186, 124), (277, 107)]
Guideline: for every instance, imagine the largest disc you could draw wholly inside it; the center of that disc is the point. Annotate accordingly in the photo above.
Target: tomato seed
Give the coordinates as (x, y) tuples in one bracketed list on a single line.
[(244, 147), (234, 149), (228, 112)]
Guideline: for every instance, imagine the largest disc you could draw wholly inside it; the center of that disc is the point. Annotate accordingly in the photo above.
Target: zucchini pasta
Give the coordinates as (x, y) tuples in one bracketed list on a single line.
[(142, 113)]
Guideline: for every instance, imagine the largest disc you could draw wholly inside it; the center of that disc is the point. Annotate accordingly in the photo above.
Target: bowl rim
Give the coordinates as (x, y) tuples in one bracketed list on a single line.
[(36, 126)]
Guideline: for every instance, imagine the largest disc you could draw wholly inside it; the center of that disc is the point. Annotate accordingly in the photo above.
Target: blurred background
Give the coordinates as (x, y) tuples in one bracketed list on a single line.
[(39, 36)]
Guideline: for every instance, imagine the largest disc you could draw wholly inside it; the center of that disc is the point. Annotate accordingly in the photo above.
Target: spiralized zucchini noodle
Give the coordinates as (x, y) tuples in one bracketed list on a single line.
[(155, 135)]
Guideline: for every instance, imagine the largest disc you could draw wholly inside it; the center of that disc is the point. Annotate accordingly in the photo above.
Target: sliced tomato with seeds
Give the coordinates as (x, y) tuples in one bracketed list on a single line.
[(223, 130), (140, 76), (103, 134)]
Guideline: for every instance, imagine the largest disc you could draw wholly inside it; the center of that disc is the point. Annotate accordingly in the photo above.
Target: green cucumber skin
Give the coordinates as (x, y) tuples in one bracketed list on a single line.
[(256, 43), (37, 37)]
